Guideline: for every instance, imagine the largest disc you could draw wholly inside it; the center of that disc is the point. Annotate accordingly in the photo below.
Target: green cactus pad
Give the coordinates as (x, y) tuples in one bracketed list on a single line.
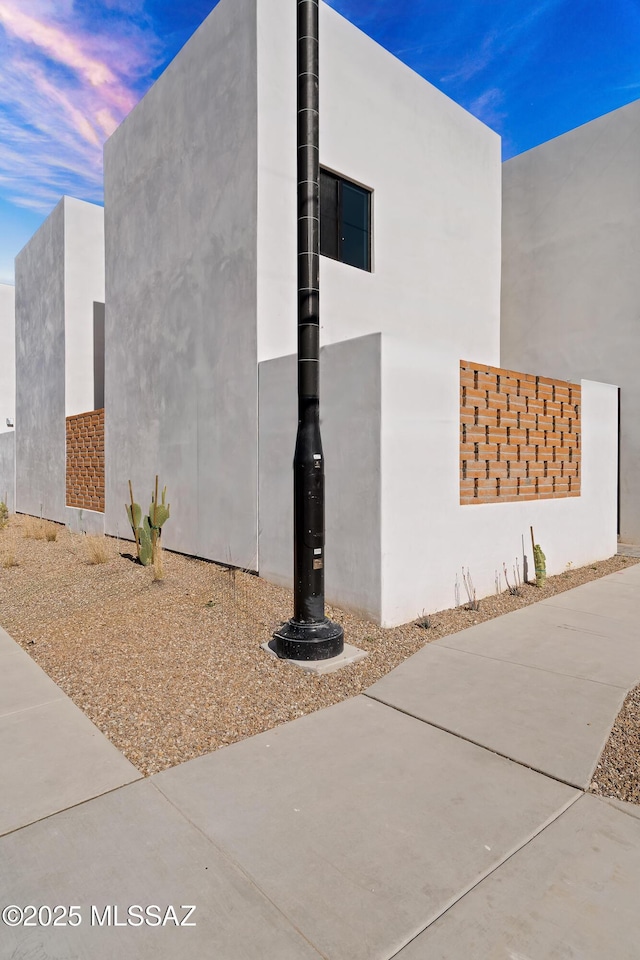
[(145, 550), (158, 514), (136, 520)]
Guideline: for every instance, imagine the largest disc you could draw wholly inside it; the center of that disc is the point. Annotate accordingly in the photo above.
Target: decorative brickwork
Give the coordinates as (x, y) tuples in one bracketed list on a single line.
[(519, 436), (85, 461)]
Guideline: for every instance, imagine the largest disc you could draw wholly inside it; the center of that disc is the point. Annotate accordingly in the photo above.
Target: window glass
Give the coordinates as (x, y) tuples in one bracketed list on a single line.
[(355, 226), (345, 221), (329, 243), (355, 247)]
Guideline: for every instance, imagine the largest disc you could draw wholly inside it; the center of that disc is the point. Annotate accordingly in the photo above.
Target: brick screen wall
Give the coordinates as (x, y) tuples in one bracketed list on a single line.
[(85, 461), (519, 436)]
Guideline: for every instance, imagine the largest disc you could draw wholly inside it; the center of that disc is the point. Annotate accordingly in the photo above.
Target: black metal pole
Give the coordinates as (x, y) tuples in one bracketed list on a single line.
[(309, 635)]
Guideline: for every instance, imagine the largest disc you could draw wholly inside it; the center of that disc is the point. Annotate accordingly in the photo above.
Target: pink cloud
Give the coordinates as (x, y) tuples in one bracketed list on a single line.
[(53, 122), (58, 45)]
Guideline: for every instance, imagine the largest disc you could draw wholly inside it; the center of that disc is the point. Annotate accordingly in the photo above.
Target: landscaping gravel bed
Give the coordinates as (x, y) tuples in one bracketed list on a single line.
[(170, 669)]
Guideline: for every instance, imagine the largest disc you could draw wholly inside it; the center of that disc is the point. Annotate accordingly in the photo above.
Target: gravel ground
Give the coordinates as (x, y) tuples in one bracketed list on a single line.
[(618, 771), (171, 669)]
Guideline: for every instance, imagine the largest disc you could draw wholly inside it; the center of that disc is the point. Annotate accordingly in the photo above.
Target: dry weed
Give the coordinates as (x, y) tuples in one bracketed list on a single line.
[(35, 529), (9, 560), (96, 549)]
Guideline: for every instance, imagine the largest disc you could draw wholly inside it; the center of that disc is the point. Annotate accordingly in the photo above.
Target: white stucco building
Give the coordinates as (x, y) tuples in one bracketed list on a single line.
[(571, 286), (7, 394), (59, 282), (200, 221)]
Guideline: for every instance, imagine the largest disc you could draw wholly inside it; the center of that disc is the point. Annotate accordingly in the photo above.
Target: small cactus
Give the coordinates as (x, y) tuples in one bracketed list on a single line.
[(147, 531), (145, 545), (539, 560)]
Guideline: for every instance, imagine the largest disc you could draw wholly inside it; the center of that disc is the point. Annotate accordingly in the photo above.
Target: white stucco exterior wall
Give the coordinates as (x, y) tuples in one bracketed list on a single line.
[(570, 281), (40, 374), (434, 289), (429, 536), (181, 372), (435, 175), (7, 355), (58, 274), (83, 285), (350, 381), (7, 393), (7, 469), (397, 536), (201, 291)]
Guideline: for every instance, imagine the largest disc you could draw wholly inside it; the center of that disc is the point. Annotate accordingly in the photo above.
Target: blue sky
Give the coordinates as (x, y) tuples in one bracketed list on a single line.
[(70, 70)]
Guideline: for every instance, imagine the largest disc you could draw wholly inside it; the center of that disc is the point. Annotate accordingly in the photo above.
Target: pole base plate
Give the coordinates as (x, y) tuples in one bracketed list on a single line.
[(308, 641)]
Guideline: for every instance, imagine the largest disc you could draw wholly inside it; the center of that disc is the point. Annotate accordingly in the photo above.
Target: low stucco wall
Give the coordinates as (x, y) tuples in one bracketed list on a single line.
[(428, 535), (397, 535), (350, 423)]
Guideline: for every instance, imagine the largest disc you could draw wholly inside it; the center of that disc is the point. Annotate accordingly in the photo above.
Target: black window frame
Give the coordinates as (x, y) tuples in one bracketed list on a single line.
[(339, 239)]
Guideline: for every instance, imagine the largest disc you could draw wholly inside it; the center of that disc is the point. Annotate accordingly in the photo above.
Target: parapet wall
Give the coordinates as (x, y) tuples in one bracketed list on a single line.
[(519, 436)]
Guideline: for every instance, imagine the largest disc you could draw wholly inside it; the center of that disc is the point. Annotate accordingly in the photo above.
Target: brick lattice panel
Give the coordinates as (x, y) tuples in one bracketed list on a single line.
[(85, 461), (520, 436)]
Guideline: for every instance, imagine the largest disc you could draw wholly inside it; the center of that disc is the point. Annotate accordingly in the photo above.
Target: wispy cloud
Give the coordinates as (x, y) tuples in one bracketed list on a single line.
[(65, 87), (489, 107), (512, 33)]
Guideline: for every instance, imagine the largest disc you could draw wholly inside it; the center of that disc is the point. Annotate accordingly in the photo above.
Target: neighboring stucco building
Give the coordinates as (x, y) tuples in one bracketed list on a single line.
[(570, 281), (200, 219), (7, 394), (59, 293)]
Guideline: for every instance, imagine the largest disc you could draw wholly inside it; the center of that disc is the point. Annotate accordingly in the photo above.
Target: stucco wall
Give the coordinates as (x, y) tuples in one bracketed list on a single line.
[(434, 290), (7, 355), (435, 175), (571, 285), (350, 382), (59, 273), (434, 535), (84, 285), (40, 372), (7, 469), (180, 328), (7, 393), (373, 415)]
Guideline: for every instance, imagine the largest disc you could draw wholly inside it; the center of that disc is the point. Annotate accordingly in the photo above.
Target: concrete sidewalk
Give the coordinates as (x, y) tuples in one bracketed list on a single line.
[(440, 815)]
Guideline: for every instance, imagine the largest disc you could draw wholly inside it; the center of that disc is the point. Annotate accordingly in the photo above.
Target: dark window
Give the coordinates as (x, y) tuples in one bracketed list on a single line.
[(98, 355), (345, 221)]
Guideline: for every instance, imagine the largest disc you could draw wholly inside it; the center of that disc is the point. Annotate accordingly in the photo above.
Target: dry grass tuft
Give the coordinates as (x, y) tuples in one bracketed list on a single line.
[(9, 560), (158, 566), (34, 529), (96, 549)]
